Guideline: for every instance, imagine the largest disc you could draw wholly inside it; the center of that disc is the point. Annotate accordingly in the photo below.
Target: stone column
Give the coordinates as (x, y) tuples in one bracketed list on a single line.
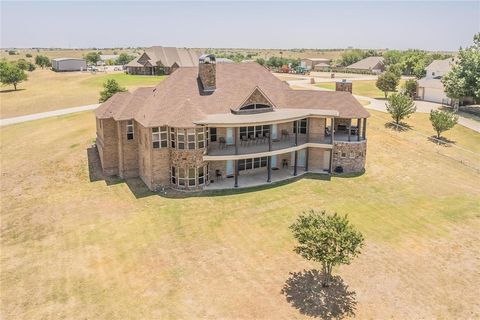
[(235, 170), (359, 124), (349, 128)]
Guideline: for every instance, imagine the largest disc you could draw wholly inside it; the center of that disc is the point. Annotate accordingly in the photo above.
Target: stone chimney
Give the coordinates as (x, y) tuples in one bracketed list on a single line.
[(206, 72), (343, 85)]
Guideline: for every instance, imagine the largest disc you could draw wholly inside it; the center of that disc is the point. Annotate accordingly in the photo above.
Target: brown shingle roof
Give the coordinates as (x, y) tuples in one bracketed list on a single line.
[(367, 63), (178, 101)]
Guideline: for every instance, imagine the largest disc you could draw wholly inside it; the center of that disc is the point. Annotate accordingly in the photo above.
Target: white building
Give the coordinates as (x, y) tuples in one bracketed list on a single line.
[(69, 64), (431, 87)]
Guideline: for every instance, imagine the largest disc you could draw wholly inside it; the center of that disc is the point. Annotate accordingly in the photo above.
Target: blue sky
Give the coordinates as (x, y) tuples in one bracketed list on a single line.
[(428, 25)]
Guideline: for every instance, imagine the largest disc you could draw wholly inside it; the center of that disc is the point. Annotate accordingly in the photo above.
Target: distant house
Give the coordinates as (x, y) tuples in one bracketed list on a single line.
[(312, 63), (104, 58), (163, 60), (69, 64), (372, 64), (430, 88)]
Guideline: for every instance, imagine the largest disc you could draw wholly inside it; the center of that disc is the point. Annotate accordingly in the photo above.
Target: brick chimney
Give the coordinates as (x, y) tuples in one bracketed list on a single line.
[(343, 85), (206, 72)]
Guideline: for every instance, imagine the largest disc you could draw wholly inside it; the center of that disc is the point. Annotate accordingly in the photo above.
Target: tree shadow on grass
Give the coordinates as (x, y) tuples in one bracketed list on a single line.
[(441, 141), (11, 90), (304, 291), (403, 126)]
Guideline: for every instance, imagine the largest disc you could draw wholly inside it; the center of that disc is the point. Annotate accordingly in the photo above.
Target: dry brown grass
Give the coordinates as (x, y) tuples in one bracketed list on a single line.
[(75, 249)]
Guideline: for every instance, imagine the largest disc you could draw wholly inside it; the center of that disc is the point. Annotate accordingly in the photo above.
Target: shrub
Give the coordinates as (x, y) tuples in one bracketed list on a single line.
[(400, 106), (110, 88), (442, 121), (387, 82), (410, 87)]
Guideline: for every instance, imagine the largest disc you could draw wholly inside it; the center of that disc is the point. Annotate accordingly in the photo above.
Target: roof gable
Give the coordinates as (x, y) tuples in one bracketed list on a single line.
[(257, 96)]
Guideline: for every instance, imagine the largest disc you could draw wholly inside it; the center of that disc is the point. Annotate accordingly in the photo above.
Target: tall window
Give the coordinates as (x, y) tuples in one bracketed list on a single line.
[(191, 177), (172, 138), (129, 129), (256, 131), (159, 137), (191, 138), (247, 164), (213, 134), (181, 139), (201, 176), (173, 176), (181, 177), (200, 138), (302, 128)]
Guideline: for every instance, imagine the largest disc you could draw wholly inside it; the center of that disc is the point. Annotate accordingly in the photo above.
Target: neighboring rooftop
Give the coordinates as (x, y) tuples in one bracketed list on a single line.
[(167, 56), (64, 59), (441, 65), (178, 101), (367, 63)]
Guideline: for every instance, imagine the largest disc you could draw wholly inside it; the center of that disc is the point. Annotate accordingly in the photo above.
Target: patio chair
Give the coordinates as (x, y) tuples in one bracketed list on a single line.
[(244, 140), (284, 163), (261, 137), (328, 132), (218, 174), (285, 133), (222, 142), (253, 138)]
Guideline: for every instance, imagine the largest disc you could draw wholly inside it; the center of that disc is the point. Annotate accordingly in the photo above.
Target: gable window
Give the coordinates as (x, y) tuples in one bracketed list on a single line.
[(129, 129), (159, 137), (302, 128), (213, 134), (172, 138), (255, 106)]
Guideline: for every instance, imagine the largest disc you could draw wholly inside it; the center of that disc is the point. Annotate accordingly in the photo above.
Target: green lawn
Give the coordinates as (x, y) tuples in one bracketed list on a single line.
[(47, 90), (72, 248), (365, 88)]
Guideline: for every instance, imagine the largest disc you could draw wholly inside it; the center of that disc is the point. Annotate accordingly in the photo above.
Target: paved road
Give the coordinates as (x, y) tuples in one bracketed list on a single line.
[(379, 105), (36, 116)]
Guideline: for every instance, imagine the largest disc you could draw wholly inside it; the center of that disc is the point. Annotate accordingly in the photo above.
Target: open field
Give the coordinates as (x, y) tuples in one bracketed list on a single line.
[(76, 249), (365, 88), (62, 53), (47, 90)]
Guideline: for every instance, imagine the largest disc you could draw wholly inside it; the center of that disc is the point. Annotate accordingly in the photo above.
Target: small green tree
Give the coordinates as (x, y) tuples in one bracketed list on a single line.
[(124, 58), (410, 87), (25, 65), (28, 55), (42, 61), (387, 82), (261, 61), (92, 57), (110, 88), (10, 73), (328, 239), (442, 121), (400, 106)]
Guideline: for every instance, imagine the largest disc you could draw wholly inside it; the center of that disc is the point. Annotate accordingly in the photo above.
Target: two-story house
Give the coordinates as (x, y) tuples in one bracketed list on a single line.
[(228, 125), (430, 88)]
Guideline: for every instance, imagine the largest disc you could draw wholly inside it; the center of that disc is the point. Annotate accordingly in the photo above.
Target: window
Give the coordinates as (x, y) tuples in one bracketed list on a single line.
[(181, 177), (200, 138), (256, 131), (172, 138), (174, 176), (201, 176), (213, 134), (191, 138), (247, 164), (159, 137), (191, 177), (255, 106), (129, 129), (181, 139), (302, 126), (343, 155)]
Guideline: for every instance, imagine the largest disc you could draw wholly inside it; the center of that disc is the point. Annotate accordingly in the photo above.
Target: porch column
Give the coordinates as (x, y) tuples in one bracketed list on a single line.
[(333, 130), (308, 130), (235, 171), (296, 132), (359, 124), (270, 128), (364, 128), (349, 128), (236, 139), (295, 163), (269, 169), (306, 158), (331, 161)]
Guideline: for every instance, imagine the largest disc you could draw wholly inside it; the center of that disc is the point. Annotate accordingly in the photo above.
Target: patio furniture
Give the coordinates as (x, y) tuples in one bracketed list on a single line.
[(285, 133), (244, 140), (328, 132), (261, 137), (284, 163), (354, 130), (222, 142), (218, 174), (253, 138)]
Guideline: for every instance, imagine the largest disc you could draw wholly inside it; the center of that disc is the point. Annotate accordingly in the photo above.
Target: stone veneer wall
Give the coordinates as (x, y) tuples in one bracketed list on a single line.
[(355, 154)]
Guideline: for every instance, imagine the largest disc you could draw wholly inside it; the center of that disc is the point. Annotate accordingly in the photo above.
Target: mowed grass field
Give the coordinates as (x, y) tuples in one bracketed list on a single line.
[(365, 88), (47, 90), (76, 249)]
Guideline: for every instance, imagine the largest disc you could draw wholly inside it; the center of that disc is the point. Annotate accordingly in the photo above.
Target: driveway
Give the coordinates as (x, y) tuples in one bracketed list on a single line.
[(379, 105)]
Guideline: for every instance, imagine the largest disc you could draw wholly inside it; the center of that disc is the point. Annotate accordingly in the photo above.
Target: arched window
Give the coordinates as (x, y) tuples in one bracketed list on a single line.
[(255, 106)]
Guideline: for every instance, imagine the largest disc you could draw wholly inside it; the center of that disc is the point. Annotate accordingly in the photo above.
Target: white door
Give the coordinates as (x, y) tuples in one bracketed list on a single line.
[(230, 136), (273, 161), (229, 167), (274, 131), (301, 158), (326, 160)]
